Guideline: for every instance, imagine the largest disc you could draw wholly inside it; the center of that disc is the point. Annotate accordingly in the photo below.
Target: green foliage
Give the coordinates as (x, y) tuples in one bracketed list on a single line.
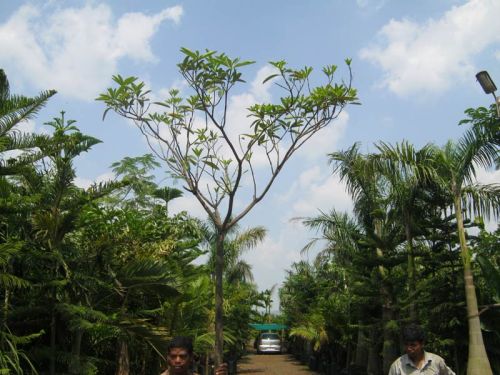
[(400, 258)]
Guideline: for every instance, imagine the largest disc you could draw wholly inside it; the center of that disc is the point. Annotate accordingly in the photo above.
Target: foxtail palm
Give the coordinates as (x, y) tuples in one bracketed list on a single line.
[(456, 163)]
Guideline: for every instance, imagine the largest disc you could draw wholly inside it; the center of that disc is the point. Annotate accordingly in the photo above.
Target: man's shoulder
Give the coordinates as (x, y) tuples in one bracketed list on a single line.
[(397, 365)]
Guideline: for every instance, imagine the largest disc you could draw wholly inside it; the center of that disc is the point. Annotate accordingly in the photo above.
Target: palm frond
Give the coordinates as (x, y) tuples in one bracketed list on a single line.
[(482, 200)]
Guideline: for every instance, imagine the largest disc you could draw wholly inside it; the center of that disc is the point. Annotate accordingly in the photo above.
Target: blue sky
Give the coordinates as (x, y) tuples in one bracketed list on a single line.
[(414, 65)]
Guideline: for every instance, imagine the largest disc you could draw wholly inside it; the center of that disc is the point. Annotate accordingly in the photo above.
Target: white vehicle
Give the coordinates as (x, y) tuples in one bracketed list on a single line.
[(269, 343)]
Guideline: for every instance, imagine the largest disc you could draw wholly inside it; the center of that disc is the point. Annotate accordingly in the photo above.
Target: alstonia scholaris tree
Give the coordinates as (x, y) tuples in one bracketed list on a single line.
[(200, 146)]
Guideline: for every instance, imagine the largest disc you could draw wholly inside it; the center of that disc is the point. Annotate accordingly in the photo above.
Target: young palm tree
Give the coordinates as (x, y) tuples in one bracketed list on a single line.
[(236, 243), (406, 186)]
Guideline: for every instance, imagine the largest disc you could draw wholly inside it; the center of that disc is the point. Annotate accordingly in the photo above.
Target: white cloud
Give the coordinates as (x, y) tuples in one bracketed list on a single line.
[(85, 183), (430, 57), (326, 140), (371, 4), (270, 259), (488, 176), (320, 190), (187, 203), (76, 50), (314, 189), (27, 126)]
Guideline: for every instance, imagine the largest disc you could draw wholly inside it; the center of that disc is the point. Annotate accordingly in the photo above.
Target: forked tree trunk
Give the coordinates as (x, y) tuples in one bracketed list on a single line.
[(219, 299), (122, 360), (478, 363)]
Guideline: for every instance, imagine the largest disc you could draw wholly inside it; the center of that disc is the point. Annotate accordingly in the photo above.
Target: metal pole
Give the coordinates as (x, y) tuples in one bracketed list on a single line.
[(497, 103)]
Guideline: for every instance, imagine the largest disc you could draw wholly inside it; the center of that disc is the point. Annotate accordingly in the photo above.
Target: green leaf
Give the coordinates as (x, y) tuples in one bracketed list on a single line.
[(211, 164), (188, 52), (244, 63), (270, 77)]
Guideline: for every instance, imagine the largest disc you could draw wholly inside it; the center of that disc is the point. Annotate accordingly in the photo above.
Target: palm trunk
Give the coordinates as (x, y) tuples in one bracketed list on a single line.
[(123, 361), (219, 299), (478, 363)]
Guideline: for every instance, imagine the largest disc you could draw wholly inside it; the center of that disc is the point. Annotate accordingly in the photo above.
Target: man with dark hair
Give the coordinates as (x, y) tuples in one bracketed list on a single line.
[(416, 360), (180, 358)]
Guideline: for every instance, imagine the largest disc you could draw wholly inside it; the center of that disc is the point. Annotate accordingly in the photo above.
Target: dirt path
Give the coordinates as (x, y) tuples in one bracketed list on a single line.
[(278, 364)]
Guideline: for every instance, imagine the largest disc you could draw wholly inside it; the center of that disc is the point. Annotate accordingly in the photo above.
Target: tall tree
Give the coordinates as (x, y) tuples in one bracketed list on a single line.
[(456, 168), (17, 152), (195, 139)]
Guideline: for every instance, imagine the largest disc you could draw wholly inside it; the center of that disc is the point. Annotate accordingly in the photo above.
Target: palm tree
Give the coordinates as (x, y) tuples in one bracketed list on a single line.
[(456, 165), (453, 168), (236, 243), (15, 109), (406, 185), (267, 298)]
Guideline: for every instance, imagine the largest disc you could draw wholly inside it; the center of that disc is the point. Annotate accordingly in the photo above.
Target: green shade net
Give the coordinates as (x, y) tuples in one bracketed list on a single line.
[(268, 326)]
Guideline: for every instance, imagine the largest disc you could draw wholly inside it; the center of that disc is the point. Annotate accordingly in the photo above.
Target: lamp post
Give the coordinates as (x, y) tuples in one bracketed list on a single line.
[(489, 87)]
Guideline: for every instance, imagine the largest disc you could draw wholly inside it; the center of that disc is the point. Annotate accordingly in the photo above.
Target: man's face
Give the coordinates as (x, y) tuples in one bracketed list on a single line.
[(414, 348), (179, 361)]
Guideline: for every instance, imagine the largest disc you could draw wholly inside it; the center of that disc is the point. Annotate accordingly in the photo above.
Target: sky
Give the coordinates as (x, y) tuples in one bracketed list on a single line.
[(414, 66)]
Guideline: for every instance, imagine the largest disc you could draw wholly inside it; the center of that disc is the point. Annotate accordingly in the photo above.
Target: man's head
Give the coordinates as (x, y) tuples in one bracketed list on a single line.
[(179, 355), (414, 339)]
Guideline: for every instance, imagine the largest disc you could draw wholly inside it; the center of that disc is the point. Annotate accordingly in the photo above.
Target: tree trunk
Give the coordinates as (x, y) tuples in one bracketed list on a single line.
[(52, 361), (372, 367), (5, 308), (361, 354), (389, 349), (411, 269), (478, 363), (219, 298), (74, 364), (123, 361)]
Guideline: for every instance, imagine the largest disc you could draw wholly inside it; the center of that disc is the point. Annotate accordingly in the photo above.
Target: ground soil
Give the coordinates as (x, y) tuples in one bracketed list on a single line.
[(279, 364)]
